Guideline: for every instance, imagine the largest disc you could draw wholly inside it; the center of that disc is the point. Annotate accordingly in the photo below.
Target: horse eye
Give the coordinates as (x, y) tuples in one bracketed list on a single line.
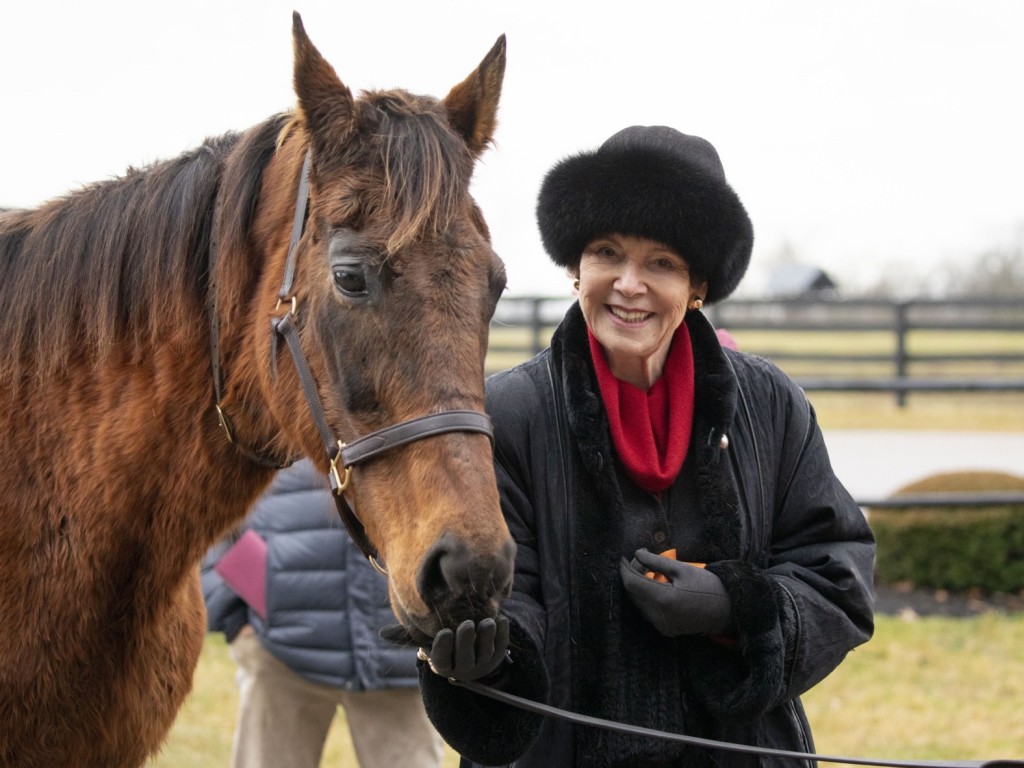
[(350, 280)]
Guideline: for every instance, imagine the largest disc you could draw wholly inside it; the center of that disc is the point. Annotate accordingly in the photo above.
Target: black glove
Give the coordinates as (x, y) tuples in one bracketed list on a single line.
[(693, 602), (471, 652)]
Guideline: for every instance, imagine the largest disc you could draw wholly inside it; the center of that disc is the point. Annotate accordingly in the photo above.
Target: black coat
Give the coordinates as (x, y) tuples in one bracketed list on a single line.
[(757, 500)]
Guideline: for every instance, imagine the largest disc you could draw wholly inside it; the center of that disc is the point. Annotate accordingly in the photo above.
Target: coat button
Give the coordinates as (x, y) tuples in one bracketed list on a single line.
[(724, 442), (659, 537)]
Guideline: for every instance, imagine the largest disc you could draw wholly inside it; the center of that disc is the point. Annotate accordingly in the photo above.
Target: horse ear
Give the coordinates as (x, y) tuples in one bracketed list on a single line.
[(473, 104), (325, 102)]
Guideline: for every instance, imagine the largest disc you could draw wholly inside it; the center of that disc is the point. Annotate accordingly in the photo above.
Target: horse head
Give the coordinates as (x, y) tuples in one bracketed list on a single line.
[(395, 283)]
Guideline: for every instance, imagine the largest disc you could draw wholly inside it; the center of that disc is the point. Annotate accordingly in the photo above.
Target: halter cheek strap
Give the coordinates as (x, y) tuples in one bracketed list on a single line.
[(259, 457)]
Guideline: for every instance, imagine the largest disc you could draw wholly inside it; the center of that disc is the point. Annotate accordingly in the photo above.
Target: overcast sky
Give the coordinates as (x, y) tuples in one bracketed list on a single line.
[(866, 136)]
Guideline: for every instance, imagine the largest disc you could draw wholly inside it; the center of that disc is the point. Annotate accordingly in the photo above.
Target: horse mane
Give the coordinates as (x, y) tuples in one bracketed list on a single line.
[(116, 264), (117, 261)]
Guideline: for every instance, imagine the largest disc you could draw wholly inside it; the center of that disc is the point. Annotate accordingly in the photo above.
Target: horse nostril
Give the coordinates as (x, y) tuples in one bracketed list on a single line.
[(431, 579), (452, 573)]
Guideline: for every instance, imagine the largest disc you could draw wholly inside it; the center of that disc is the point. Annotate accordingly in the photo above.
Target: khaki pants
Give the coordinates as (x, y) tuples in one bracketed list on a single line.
[(283, 719)]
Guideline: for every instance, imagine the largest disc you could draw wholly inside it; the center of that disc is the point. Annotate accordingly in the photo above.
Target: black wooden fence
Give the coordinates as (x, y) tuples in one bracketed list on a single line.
[(965, 345), (936, 499)]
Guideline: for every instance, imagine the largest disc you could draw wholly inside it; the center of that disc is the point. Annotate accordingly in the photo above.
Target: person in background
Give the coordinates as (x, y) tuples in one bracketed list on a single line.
[(687, 561), (316, 646), (726, 339)]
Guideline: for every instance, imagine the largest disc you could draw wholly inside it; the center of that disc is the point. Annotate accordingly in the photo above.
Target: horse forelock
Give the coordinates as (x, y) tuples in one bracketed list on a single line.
[(407, 165)]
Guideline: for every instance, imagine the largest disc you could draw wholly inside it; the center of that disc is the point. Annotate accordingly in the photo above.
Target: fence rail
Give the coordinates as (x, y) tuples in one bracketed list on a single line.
[(919, 345), (964, 499), (904, 339)]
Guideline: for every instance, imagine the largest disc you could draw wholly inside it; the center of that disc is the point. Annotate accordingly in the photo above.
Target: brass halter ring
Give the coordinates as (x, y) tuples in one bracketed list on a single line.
[(341, 484)]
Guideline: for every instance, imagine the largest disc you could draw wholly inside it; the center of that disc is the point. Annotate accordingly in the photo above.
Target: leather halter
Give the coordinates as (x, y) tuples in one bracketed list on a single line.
[(343, 457)]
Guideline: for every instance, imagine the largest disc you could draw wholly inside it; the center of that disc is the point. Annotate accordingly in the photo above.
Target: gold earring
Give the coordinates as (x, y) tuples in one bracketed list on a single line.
[(697, 303)]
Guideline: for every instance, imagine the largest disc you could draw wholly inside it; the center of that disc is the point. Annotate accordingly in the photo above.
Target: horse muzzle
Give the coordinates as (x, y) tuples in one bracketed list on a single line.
[(457, 583)]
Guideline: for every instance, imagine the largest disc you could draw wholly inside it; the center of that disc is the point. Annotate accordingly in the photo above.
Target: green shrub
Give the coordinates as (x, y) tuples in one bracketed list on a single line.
[(954, 548)]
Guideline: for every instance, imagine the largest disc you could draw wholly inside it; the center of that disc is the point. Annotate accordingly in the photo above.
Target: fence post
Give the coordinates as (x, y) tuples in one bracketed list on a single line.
[(901, 308)]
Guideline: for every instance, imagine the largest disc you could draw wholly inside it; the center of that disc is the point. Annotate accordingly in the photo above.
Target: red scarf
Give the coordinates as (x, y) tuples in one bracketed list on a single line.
[(650, 430)]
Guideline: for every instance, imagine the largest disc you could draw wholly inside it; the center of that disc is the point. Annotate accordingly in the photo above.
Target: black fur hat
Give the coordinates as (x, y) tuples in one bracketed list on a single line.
[(653, 182)]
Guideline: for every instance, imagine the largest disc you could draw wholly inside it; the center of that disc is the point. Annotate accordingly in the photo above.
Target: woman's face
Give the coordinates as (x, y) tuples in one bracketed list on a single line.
[(634, 293)]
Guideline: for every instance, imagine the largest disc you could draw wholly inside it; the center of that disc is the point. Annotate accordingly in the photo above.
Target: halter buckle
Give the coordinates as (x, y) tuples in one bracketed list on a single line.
[(225, 423), (294, 308), (338, 482)]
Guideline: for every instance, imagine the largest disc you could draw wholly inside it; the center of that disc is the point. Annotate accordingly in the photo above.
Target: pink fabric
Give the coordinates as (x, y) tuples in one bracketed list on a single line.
[(244, 569), (726, 339)]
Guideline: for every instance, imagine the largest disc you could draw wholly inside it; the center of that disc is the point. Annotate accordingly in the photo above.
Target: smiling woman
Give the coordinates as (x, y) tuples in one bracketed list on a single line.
[(633, 293), (637, 433)]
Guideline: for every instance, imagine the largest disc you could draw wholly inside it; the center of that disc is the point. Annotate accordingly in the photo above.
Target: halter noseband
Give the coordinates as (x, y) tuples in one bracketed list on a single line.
[(343, 457)]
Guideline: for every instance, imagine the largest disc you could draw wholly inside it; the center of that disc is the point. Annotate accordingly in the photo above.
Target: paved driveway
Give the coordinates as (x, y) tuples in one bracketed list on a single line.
[(874, 463)]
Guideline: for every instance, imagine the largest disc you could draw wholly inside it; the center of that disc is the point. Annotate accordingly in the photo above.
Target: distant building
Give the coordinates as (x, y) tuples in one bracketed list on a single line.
[(791, 281)]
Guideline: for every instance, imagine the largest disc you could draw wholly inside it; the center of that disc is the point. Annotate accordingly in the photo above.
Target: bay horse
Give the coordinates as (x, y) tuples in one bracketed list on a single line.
[(144, 407)]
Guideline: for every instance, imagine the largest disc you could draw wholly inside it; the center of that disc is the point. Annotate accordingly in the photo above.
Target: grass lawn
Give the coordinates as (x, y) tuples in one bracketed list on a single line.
[(932, 688), (201, 737), (969, 411)]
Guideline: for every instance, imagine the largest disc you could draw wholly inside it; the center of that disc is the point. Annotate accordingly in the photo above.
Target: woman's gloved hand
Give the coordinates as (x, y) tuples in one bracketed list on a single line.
[(471, 652), (693, 601)]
